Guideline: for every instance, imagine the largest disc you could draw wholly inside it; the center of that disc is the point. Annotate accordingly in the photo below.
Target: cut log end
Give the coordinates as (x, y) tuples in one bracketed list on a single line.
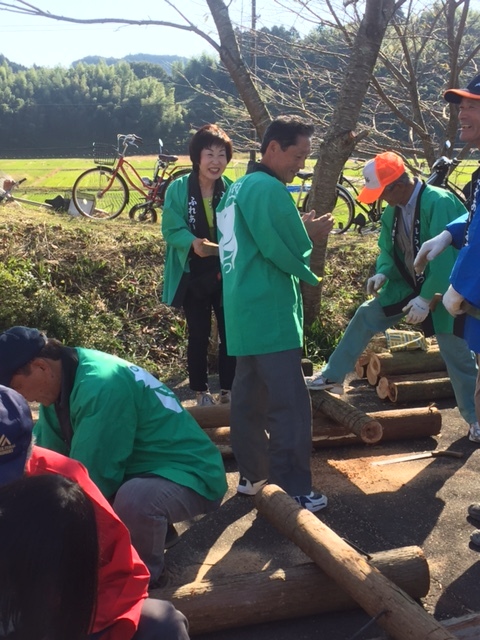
[(371, 432)]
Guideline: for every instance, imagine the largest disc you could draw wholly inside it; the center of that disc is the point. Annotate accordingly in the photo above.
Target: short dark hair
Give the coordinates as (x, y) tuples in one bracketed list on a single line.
[(52, 350), (285, 130), (210, 135), (49, 559)]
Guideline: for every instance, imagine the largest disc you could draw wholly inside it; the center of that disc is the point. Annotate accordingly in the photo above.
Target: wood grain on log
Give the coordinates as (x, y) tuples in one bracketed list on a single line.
[(397, 612), (252, 598)]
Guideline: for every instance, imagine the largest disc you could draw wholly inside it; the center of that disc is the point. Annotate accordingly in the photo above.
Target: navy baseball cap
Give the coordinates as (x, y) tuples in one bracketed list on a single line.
[(471, 91), (18, 346), (16, 427)]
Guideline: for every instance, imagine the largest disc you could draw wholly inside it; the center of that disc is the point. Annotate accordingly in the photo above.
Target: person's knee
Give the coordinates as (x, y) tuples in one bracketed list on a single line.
[(160, 619)]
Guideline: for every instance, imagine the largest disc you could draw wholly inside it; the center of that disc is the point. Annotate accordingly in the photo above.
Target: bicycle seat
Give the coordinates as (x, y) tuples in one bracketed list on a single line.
[(305, 175), (164, 158)]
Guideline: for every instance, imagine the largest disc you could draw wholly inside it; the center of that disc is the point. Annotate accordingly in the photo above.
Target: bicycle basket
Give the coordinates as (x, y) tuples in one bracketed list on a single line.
[(105, 154)]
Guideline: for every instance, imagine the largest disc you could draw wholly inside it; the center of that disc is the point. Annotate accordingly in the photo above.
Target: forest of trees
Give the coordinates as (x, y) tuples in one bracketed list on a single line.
[(61, 111)]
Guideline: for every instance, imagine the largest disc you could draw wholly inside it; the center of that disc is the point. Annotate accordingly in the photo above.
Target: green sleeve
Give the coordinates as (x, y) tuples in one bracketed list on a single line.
[(104, 422), (441, 209), (385, 261), (175, 227), (279, 231)]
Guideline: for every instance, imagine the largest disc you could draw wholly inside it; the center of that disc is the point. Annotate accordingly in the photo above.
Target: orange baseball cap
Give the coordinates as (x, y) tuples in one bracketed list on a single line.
[(378, 174)]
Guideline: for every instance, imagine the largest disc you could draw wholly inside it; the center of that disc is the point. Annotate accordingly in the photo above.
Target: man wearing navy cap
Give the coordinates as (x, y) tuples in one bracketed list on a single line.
[(122, 609), (144, 451), (463, 295)]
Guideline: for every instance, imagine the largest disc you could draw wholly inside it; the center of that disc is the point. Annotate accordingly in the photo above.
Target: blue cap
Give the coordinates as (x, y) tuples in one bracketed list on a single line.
[(18, 346), (16, 427)]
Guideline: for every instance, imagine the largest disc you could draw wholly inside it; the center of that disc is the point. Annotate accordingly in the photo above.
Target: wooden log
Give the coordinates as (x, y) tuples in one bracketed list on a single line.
[(382, 388), (464, 628), (252, 598), (361, 424), (420, 390), (397, 424), (402, 362), (361, 365), (217, 415), (395, 611)]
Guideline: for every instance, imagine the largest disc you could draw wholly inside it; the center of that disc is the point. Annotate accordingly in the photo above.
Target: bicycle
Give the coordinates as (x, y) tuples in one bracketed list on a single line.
[(103, 191), (344, 210)]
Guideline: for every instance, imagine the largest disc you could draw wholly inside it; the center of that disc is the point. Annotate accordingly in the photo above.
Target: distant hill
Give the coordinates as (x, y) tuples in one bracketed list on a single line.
[(165, 61)]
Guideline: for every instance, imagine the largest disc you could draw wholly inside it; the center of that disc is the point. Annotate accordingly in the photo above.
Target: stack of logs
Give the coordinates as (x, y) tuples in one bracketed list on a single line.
[(406, 376)]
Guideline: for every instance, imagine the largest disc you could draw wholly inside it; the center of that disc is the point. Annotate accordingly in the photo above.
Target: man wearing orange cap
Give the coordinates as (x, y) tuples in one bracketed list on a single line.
[(415, 213), (462, 298)]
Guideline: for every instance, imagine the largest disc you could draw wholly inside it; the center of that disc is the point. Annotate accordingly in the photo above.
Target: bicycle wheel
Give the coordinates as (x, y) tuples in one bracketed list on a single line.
[(343, 212), (143, 212), (163, 187), (91, 199)]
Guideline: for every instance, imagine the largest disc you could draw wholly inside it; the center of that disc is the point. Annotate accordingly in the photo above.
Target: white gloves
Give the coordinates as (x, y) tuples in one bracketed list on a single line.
[(417, 310), (375, 283), (452, 301), (431, 249)]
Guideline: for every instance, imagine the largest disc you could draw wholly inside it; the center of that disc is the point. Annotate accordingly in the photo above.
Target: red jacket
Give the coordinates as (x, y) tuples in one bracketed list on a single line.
[(122, 577)]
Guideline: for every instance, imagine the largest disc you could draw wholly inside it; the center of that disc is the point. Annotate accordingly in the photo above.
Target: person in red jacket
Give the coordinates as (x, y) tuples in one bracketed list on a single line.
[(123, 609)]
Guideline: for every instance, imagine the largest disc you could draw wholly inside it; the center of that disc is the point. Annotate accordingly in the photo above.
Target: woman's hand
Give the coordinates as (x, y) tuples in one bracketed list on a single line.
[(203, 247)]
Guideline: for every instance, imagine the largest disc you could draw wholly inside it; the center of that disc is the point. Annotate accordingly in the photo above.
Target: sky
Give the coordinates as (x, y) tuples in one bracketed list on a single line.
[(29, 40)]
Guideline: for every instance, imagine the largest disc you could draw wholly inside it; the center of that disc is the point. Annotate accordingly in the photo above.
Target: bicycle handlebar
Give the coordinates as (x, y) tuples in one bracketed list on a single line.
[(129, 139)]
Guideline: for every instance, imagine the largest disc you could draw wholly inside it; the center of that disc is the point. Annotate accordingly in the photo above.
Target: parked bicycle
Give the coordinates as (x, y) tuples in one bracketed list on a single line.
[(103, 192), (344, 211)]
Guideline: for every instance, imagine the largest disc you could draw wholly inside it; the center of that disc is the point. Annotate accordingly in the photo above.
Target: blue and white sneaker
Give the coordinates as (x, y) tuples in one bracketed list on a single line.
[(313, 502), (474, 433)]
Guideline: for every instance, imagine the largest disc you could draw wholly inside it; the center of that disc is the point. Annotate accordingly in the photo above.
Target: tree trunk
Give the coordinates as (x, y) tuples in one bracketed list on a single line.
[(395, 611), (397, 424), (403, 362), (231, 57), (303, 590), (340, 138), (361, 424), (420, 390)]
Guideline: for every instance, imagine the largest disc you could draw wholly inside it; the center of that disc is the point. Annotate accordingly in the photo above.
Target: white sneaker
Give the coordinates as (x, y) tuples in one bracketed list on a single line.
[(225, 396), (319, 383), (474, 433), (205, 399), (313, 502), (247, 488)]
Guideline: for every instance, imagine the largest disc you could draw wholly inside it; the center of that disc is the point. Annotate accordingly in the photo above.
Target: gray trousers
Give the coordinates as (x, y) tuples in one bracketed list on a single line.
[(159, 620), (147, 505), (271, 420)]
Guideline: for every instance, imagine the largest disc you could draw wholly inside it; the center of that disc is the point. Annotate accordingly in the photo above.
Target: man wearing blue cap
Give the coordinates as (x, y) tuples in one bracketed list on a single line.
[(144, 451), (123, 609), (463, 295)]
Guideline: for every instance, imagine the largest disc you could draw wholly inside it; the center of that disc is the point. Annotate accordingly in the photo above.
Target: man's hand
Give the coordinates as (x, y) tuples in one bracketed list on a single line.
[(317, 228), (202, 247), (375, 283), (452, 301), (431, 249), (417, 310)]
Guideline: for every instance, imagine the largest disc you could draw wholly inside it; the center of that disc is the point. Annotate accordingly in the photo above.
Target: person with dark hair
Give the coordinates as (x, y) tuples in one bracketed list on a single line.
[(144, 451), (416, 211), (49, 559), (122, 609), (264, 252), (192, 277), (462, 298)]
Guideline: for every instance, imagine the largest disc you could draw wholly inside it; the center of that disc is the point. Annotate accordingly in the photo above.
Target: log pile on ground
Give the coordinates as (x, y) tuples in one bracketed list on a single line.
[(406, 376), (396, 424)]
